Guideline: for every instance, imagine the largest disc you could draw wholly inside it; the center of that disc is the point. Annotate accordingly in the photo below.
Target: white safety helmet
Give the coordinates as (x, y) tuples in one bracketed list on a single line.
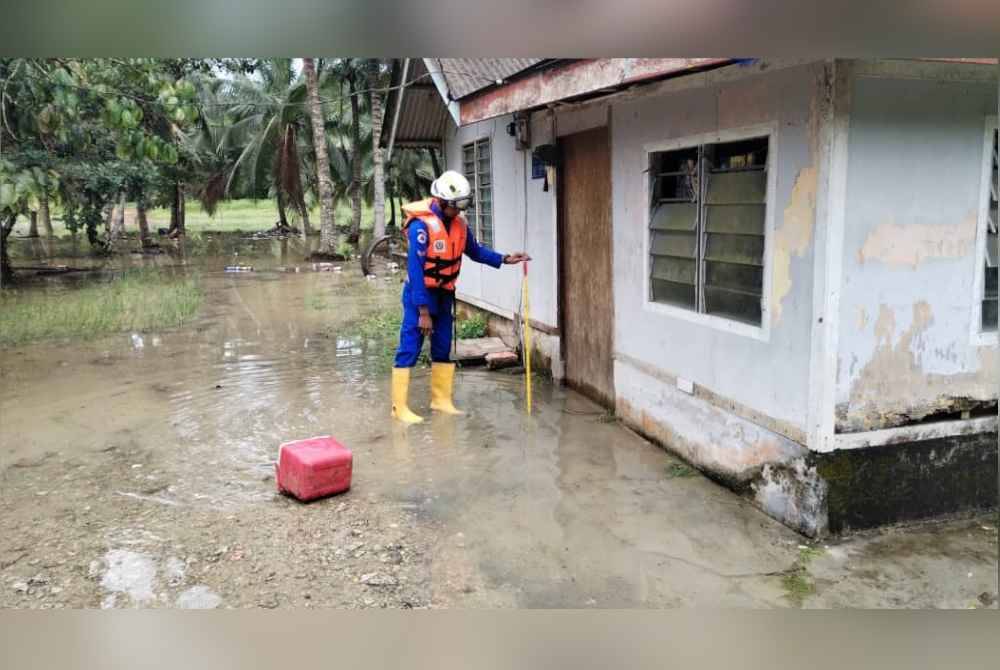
[(453, 188)]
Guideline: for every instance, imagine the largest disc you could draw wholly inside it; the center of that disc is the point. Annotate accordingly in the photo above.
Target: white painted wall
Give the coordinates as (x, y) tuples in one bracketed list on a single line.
[(767, 371), (516, 228), (908, 332)]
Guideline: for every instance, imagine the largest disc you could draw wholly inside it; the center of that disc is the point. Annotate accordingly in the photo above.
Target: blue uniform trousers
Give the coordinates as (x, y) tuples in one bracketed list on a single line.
[(411, 340)]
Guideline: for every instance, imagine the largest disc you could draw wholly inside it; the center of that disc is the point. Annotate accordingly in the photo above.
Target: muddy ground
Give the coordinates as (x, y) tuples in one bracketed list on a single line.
[(136, 471)]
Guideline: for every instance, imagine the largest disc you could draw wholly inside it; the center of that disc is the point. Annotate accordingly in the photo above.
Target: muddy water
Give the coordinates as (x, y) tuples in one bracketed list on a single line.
[(136, 471)]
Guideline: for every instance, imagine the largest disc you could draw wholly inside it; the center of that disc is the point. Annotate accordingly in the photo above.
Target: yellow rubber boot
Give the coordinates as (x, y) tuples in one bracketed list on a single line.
[(400, 387), (442, 381)]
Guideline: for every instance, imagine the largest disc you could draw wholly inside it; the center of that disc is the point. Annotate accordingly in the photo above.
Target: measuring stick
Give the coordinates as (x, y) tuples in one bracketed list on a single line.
[(527, 338)]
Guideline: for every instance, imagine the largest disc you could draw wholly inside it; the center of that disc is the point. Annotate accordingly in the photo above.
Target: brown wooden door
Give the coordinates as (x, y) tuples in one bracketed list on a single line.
[(586, 302)]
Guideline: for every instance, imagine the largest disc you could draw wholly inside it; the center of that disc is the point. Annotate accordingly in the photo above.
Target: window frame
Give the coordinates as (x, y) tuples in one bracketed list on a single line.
[(477, 226), (979, 336), (760, 332)]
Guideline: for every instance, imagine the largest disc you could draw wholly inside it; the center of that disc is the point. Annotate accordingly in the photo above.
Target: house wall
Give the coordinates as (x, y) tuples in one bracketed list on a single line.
[(519, 223), (765, 373), (908, 345)]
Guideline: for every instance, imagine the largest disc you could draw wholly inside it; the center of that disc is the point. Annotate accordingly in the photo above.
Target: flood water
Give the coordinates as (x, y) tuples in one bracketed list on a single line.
[(137, 471)]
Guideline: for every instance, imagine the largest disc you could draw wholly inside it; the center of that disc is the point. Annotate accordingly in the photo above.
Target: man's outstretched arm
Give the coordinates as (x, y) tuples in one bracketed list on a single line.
[(483, 254)]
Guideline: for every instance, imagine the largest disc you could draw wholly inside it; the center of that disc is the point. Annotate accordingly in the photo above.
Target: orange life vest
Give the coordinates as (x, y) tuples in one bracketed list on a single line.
[(445, 246)]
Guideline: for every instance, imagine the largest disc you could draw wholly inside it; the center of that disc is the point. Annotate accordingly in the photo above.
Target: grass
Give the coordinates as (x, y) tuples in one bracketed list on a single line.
[(381, 325), (139, 300), (797, 581), (680, 470), (472, 328), (382, 329), (231, 215)]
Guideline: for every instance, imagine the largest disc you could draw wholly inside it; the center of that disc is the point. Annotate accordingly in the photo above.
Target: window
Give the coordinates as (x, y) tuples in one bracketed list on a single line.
[(991, 254), (477, 169), (708, 207)]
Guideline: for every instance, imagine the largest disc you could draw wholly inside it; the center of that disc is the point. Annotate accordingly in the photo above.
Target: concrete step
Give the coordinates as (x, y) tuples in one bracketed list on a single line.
[(475, 350)]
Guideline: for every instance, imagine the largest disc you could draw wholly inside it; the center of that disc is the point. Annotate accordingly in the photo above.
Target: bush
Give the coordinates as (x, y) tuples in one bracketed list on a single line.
[(471, 328)]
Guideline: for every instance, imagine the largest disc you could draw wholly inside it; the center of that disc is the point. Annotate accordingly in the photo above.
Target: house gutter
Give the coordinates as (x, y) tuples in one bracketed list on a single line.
[(399, 108), (442, 86)]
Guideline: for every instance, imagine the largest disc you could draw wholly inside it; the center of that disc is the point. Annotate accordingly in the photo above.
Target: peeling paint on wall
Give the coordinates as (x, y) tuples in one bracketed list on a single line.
[(793, 237), (892, 389), (907, 246)]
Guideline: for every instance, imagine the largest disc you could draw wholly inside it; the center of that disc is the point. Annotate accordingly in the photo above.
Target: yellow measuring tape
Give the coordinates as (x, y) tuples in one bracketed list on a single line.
[(527, 337)]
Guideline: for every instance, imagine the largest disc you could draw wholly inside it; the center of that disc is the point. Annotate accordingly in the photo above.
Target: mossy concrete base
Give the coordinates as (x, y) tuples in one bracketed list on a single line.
[(855, 489), (895, 483)]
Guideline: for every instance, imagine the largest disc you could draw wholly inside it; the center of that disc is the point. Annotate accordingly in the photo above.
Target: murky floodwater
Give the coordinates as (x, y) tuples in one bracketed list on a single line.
[(137, 471)]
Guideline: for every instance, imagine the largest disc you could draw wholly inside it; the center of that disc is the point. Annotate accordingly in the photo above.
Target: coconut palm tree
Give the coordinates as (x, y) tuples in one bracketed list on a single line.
[(323, 180), (270, 120), (352, 75), (376, 81)]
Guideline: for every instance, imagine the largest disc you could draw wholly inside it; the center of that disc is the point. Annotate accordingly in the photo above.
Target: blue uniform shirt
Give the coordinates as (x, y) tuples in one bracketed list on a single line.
[(419, 295)]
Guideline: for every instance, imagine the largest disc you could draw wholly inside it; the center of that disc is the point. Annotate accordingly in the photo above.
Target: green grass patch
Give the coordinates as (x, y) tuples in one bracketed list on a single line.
[(797, 581), (137, 300), (678, 469), (380, 335), (471, 328), (243, 215), (381, 325)]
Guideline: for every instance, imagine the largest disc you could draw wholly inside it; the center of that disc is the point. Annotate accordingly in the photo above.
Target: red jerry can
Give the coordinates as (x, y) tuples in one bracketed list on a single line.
[(313, 468)]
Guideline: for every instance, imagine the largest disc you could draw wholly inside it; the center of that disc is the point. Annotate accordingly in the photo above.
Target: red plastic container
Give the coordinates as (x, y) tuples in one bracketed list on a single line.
[(313, 468)]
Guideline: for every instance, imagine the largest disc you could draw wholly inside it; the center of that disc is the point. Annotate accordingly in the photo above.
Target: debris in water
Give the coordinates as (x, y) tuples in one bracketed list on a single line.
[(501, 359), (198, 598), (130, 573), (377, 580), (162, 501)]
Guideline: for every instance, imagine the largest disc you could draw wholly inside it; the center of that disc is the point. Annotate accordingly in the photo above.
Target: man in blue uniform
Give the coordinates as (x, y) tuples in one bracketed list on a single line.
[(438, 237)]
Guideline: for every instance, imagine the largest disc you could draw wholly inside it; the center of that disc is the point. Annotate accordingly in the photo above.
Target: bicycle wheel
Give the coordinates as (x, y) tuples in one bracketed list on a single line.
[(385, 255)]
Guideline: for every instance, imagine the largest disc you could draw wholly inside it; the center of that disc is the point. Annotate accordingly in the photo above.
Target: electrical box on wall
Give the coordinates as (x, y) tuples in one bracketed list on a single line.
[(544, 160), (520, 131)]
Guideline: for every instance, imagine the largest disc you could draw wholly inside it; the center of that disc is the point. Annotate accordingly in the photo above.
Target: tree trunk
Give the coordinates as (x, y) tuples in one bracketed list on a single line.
[(43, 213), (140, 217), (282, 215), (355, 161), (118, 220), (306, 228), (392, 214), (33, 225), (328, 231), (6, 271), (177, 212), (376, 109), (109, 214)]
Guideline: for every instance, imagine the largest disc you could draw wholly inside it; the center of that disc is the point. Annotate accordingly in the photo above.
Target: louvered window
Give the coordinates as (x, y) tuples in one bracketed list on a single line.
[(477, 169), (707, 222), (989, 298)]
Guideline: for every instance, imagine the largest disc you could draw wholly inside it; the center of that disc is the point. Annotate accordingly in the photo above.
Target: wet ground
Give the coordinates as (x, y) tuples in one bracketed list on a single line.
[(136, 471)]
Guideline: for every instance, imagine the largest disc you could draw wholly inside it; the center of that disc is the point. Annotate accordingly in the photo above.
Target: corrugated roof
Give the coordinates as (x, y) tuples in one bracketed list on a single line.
[(423, 118), (468, 75)]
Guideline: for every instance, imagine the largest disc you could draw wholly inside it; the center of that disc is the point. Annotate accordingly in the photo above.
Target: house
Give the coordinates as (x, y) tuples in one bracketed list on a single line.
[(784, 271)]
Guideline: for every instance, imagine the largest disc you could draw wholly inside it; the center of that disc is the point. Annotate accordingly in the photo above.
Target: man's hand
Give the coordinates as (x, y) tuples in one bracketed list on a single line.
[(513, 259), (424, 322)]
